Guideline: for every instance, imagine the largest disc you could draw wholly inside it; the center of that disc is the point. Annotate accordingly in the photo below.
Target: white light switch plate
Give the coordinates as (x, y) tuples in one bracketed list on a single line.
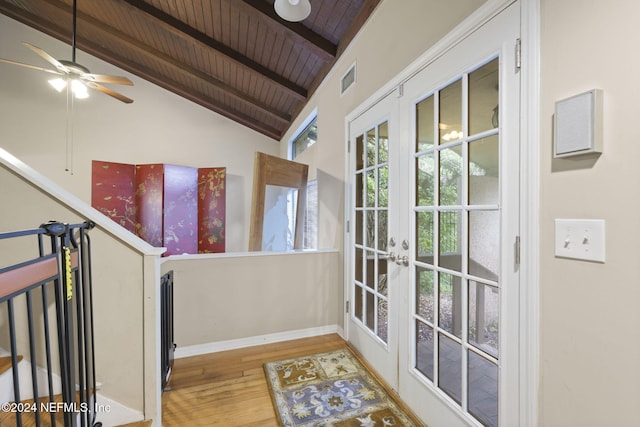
[(580, 239)]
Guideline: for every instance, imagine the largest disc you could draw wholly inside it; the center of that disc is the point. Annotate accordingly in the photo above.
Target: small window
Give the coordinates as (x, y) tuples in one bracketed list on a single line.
[(306, 136)]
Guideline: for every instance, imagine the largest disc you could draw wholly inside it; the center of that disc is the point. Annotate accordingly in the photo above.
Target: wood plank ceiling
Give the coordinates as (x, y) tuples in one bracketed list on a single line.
[(234, 57)]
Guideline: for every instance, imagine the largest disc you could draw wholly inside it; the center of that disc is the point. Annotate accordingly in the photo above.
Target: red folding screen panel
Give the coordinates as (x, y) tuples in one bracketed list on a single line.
[(178, 207), (113, 192), (212, 183)]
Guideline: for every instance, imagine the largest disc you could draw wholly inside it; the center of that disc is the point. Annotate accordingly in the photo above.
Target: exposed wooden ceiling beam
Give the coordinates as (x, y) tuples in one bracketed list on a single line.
[(183, 30), (320, 46)]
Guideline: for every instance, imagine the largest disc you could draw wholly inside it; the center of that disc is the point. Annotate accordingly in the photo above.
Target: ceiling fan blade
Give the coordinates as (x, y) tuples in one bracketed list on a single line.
[(46, 70), (50, 59), (109, 92), (102, 78)]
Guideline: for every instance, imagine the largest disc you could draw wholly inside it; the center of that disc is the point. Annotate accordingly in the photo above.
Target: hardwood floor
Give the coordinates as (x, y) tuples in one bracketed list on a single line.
[(229, 388)]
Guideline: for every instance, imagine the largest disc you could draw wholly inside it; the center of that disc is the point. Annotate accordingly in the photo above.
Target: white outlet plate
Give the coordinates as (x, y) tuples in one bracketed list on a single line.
[(580, 239)]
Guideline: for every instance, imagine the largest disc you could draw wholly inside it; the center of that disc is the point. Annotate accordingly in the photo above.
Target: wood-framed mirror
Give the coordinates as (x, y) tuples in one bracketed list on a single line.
[(278, 204)]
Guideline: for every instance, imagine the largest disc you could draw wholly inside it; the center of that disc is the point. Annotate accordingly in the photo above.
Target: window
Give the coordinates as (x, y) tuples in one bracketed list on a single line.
[(305, 137)]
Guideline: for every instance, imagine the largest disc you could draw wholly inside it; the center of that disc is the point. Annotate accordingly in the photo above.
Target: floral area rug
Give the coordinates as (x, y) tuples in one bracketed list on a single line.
[(330, 389)]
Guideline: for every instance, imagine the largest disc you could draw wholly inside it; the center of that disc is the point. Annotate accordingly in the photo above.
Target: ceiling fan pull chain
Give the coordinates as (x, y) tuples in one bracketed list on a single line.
[(69, 131)]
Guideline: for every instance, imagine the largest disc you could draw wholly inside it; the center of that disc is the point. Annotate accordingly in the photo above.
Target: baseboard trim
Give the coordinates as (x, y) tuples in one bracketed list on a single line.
[(214, 347)]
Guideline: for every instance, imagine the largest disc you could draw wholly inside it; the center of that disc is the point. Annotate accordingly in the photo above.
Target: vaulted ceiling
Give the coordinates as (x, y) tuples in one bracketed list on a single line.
[(235, 57)]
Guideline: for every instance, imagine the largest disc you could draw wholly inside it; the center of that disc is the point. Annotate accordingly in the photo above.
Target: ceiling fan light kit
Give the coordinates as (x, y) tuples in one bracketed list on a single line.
[(81, 78), (292, 10)]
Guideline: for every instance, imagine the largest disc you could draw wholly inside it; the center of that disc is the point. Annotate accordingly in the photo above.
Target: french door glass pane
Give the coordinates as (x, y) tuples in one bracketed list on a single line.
[(483, 98), (424, 178), (424, 237), (450, 124), (483, 389), (382, 319), (424, 125), (484, 244), (371, 276), (424, 293), (357, 302), (450, 176), (371, 310), (449, 305), (358, 227), (371, 148), (424, 349), (371, 189), (449, 367), (450, 256), (383, 142), (483, 171), (371, 228), (359, 190), (359, 259), (383, 186), (382, 275), (382, 230), (484, 317), (359, 153)]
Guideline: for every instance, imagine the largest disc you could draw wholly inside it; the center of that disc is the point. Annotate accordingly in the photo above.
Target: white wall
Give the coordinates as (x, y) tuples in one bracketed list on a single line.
[(589, 311), (159, 127), (219, 298)]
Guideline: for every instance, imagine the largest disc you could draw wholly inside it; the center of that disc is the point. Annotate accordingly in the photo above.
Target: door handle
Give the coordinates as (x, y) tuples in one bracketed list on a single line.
[(402, 260), (391, 256)]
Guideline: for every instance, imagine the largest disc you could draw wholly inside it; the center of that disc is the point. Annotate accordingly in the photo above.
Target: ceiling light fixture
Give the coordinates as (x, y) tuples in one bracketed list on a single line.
[(58, 84), (79, 89), (292, 10)]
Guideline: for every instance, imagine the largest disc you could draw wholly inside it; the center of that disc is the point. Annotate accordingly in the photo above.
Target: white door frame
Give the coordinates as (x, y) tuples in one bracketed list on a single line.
[(529, 179)]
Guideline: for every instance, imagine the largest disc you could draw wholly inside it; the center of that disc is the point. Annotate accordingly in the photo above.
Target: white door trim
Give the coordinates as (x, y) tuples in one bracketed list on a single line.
[(530, 212), (529, 184)]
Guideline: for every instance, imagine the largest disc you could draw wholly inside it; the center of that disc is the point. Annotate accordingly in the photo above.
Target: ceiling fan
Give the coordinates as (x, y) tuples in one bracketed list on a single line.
[(78, 77)]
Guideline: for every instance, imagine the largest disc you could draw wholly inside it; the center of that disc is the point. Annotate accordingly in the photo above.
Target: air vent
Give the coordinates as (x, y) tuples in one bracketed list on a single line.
[(348, 79)]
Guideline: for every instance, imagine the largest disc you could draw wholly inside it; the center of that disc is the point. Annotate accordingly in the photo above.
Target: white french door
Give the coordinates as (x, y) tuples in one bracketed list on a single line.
[(374, 159), (433, 279)]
